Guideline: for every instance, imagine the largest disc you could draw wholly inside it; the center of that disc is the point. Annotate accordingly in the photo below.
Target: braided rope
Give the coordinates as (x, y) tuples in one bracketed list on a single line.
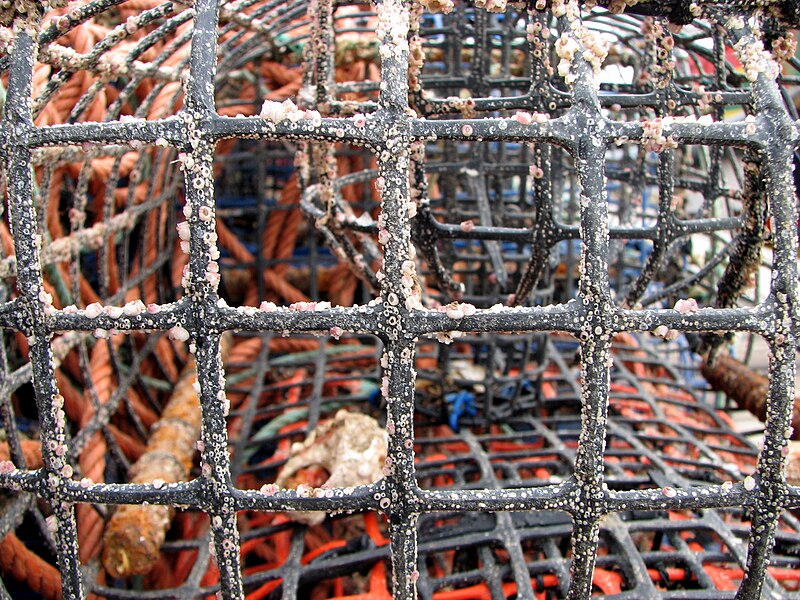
[(24, 565)]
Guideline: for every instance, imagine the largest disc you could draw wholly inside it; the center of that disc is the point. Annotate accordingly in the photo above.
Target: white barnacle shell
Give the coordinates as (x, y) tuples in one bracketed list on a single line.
[(94, 310), (686, 306), (179, 334), (134, 308), (273, 111)]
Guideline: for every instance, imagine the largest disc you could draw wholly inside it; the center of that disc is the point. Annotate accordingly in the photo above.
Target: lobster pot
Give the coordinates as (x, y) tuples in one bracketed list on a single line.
[(331, 299)]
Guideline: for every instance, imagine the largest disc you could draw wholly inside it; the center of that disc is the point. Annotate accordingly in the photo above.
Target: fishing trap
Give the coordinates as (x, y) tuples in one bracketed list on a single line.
[(415, 298)]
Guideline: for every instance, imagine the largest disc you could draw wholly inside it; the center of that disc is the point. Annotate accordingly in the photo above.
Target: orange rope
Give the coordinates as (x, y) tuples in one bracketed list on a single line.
[(92, 460), (53, 204), (274, 281), (288, 238), (40, 576), (166, 359), (70, 365), (113, 268), (245, 351), (343, 285), (6, 239), (283, 288), (276, 234), (31, 450), (74, 401), (88, 295), (290, 345), (179, 260)]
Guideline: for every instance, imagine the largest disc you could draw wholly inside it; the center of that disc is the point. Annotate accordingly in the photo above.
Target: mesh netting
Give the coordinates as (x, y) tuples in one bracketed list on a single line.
[(427, 241)]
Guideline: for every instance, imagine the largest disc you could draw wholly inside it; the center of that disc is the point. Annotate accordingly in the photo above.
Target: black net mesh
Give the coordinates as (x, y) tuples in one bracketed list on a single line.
[(445, 271)]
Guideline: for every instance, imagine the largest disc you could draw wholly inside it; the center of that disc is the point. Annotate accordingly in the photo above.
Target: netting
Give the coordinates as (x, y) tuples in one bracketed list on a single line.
[(427, 241)]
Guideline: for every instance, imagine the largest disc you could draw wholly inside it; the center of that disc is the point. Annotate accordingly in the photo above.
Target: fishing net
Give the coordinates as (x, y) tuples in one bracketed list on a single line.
[(331, 299)]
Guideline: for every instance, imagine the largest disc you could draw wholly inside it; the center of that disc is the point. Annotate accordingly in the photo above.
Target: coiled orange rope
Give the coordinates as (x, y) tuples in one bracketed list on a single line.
[(92, 460), (274, 281), (40, 576)]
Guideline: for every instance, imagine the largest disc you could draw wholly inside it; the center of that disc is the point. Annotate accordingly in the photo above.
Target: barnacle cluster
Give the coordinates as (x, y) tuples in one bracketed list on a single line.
[(579, 40), (12, 9), (755, 59)]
